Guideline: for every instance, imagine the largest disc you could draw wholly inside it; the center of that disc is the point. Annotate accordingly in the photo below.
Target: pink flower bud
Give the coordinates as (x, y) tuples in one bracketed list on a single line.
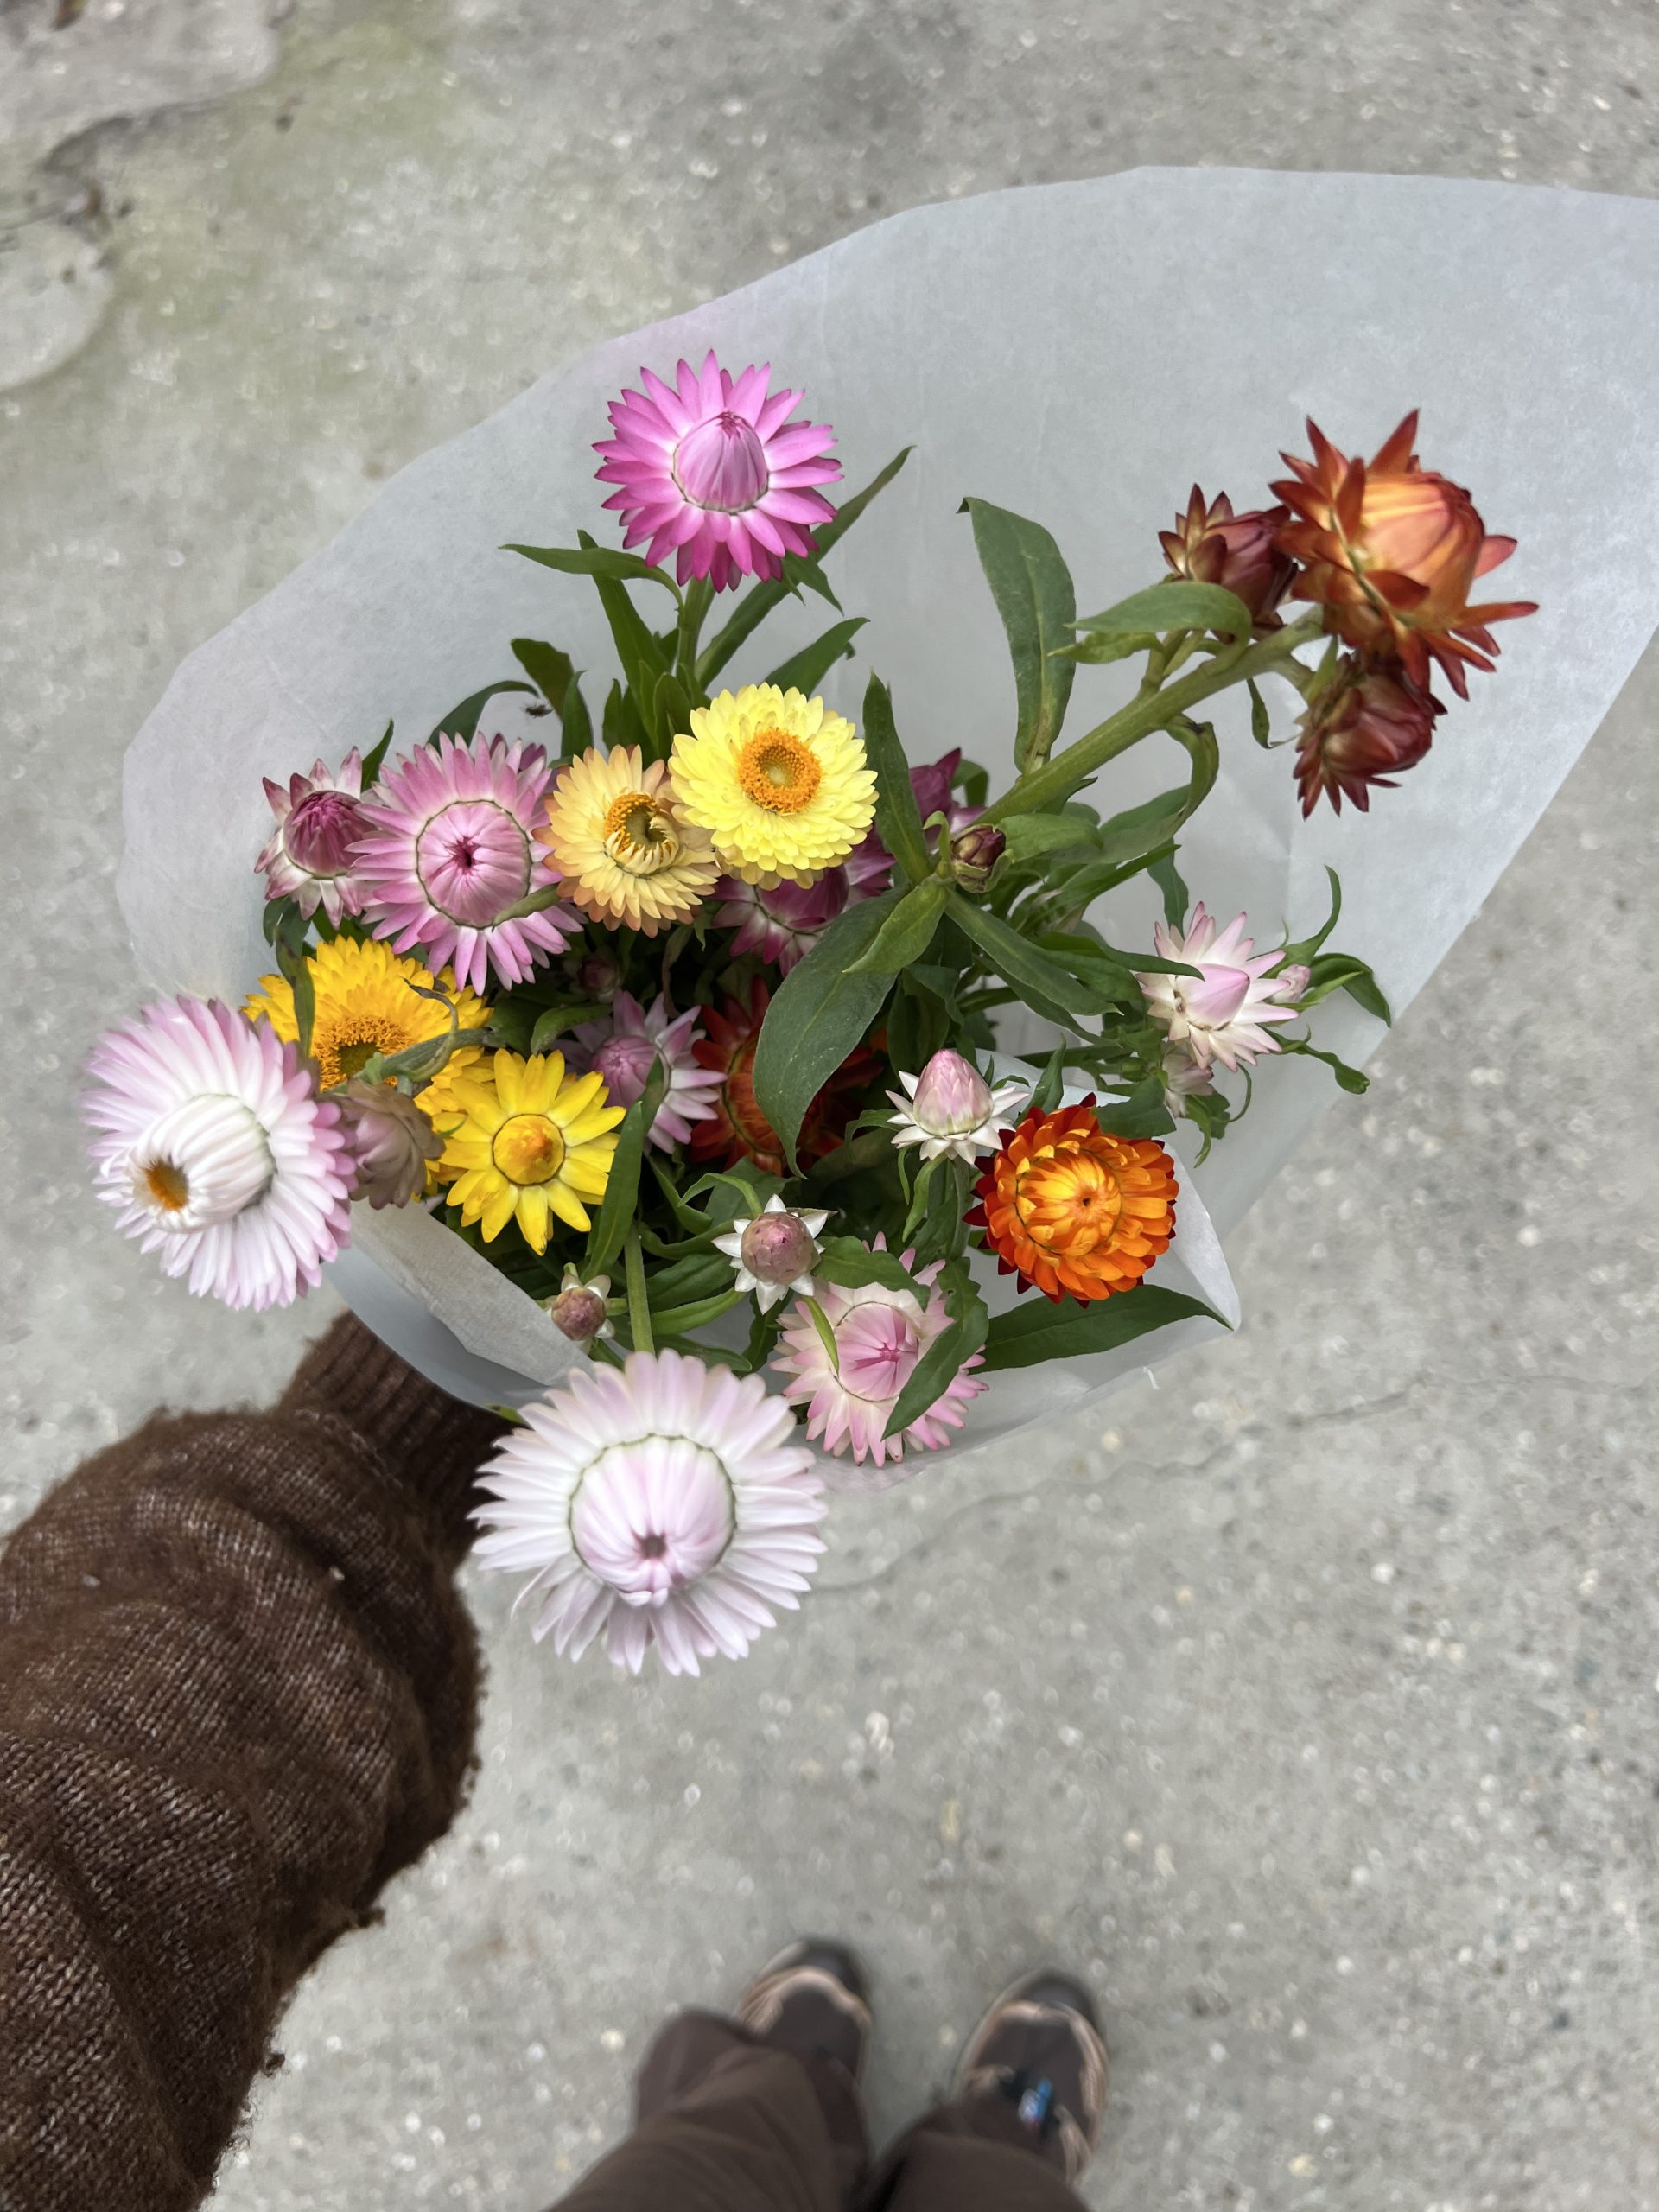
[(626, 1062), (1290, 982), (390, 1142), (579, 1311), (595, 975), (322, 830), (722, 464), (952, 1098), (975, 852), (778, 1248)]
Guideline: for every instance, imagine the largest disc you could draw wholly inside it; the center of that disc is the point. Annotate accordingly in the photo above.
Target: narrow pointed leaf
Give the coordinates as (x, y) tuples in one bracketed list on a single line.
[(1034, 596), (821, 1011), (1040, 1331), (897, 820)]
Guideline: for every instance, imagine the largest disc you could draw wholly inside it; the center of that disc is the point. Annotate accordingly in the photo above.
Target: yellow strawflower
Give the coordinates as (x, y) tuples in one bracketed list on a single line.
[(778, 781), (625, 853), (531, 1143)]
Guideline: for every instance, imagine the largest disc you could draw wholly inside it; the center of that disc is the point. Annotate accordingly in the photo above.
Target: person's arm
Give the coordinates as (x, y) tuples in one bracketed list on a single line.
[(237, 1692)]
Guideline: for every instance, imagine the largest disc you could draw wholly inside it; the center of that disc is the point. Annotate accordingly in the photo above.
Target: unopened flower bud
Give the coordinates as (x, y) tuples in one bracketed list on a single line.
[(1364, 727), (1212, 545), (595, 975), (322, 830), (579, 1309), (778, 1248), (1290, 982), (391, 1142), (975, 852), (952, 1097), (626, 1062)]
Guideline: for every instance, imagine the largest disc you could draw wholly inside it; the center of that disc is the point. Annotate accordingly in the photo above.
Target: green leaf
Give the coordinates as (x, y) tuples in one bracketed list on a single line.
[(642, 656), (753, 608), (547, 668), (1173, 605), (1302, 954), (1050, 1086), (1041, 1330), (1097, 647), (289, 946), (591, 560), (1031, 836), (906, 933), (820, 1013), (1347, 1080), (1142, 1112), (670, 713), (806, 669), (1170, 881), (461, 721), (897, 821), (937, 1366), (1033, 592), (374, 759), (1020, 962), (846, 1260), (621, 722), (555, 1020), (1343, 971), (616, 1210), (1260, 720)]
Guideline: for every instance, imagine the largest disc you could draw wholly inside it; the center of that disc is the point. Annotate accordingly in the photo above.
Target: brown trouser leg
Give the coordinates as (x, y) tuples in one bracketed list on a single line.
[(727, 2124), (724, 2123)]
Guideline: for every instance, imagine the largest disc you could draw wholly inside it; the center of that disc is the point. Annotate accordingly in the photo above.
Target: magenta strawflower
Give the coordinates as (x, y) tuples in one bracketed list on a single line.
[(667, 1503), (308, 857), (880, 1336), (450, 853), (711, 469), (214, 1146), (624, 1049), (783, 923)]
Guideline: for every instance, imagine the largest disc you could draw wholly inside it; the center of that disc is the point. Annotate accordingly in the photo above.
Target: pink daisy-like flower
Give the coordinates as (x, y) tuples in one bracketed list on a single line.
[(625, 1048), (880, 1336), (450, 853), (1221, 1013), (665, 1504), (712, 469), (784, 923), (214, 1146), (308, 856)]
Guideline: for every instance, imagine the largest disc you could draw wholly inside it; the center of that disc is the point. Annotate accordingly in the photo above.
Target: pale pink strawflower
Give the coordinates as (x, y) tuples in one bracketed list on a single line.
[(390, 1142), (1222, 1013), (880, 1336), (308, 857), (712, 470), (781, 924), (449, 854), (624, 1049), (213, 1145), (950, 1107), (774, 1251), (665, 1504)]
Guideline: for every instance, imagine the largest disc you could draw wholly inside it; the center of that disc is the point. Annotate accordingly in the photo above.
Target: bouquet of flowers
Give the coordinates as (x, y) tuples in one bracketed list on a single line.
[(685, 1018)]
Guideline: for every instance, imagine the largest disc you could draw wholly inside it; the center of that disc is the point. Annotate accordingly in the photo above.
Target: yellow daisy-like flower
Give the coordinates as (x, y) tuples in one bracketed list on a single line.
[(778, 781), (533, 1143), (369, 1000), (625, 852)]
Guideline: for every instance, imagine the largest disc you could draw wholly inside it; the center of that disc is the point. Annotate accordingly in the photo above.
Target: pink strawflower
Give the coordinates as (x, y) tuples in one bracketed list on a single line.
[(784, 923), (950, 1107), (449, 853), (319, 819), (214, 1146), (1221, 1013), (666, 1502), (713, 471), (880, 1336), (625, 1048)]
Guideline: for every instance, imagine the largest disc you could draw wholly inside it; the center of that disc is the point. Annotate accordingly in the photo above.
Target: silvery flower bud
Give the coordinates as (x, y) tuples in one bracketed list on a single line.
[(391, 1141), (951, 1097), (778, 1248)]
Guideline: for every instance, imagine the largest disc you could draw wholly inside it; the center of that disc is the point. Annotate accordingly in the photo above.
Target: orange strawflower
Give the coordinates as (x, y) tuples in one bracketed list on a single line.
[(1074, 1210), (1392, 551)]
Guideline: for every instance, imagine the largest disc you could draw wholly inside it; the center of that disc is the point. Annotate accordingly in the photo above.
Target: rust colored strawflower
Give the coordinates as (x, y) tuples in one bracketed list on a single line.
[(1212, 545), (1364, 727), (1073, 1210), (1392, 551)]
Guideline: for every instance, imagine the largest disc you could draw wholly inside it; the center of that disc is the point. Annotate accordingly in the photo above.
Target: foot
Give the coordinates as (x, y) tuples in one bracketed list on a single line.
[(812, 1999), (1040, 2047)]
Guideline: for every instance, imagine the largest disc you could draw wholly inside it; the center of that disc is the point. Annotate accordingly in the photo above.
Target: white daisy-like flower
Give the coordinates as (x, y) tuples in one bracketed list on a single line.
[(773, 1250), (665, 1503), (950, 1107)]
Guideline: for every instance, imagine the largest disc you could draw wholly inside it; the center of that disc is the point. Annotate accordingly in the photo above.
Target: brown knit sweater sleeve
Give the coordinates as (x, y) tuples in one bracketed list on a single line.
[(237, 1693)]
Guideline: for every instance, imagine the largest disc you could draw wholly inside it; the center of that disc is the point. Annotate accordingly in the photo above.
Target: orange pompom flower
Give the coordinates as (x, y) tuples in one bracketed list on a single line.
[(1074, 1210), (1392, 551)]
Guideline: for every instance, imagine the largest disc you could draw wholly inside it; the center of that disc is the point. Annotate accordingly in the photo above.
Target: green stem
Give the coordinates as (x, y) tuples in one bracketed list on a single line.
[(1155, 711), (639, 1302), (693, 608)]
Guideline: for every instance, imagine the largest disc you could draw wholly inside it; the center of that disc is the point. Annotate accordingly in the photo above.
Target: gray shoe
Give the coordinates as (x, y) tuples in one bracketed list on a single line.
[(813, 1999), (1040, 2047)]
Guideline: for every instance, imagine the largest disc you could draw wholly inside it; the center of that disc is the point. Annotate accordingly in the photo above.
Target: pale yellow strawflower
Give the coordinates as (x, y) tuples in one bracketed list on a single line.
[(625, 852), (778, 781)]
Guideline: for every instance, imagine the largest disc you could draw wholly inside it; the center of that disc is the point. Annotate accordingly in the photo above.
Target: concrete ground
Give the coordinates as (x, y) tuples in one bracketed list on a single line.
[(1310, 1707)]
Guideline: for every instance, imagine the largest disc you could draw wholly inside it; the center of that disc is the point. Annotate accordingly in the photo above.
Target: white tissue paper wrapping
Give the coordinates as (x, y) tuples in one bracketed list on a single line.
[(1080, 353)]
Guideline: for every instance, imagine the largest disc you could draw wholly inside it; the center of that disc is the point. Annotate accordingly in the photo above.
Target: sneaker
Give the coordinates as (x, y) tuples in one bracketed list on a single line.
[(1040, 2047), (812, 1999)]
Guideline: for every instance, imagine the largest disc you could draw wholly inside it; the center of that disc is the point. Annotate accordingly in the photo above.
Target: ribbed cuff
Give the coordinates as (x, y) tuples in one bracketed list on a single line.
[(433, 1443)]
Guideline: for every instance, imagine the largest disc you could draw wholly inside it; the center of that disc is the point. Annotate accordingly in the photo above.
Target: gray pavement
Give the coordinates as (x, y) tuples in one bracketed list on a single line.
[(1310, 1706)]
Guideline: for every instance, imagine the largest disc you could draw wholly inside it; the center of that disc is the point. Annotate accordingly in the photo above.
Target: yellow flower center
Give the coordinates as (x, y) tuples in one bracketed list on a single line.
[(640, 835), (344, 1048), (777, 772), (1070, 1199), (166, 1185), (528, 1148)]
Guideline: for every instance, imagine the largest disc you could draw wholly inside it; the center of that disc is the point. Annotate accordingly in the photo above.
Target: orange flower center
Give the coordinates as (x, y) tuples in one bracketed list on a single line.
[(344, 1047), (777, 772), (528, 1149), (166, 1185), (1068, 1202), (639, 834)]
